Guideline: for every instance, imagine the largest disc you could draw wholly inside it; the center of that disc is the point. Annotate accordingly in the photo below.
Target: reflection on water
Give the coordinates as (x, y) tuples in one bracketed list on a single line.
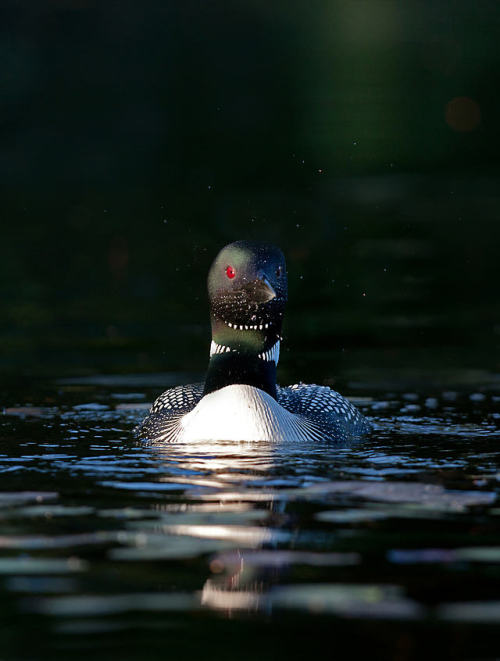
[(98, 531)]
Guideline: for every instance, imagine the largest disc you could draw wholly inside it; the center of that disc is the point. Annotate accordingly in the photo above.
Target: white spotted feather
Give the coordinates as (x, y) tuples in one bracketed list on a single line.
[(244, 413)]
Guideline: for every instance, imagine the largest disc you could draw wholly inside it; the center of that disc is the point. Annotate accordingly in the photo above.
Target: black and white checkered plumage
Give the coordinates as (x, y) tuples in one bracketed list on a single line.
[(240, 399), (322, 413)]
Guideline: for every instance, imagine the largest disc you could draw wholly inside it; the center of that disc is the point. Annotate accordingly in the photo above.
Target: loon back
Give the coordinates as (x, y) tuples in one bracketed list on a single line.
[(243, 413), (239, 400)]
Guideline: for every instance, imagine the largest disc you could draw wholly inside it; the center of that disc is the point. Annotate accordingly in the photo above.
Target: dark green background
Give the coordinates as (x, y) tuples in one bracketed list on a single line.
[(137, 138)]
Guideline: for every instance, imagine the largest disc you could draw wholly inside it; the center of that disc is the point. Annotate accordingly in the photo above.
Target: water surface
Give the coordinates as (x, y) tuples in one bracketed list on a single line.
[(108, 546)]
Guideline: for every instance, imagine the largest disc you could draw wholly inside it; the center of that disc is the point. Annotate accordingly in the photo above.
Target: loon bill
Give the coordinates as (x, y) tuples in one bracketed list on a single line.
[(240, 400)]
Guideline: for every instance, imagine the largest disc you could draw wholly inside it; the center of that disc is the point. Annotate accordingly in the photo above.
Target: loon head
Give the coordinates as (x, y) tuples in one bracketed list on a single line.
[(247, 290)]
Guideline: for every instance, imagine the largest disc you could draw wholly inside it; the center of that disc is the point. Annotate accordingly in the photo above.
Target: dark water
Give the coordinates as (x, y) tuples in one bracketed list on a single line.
[(111, 549), (138, 139)]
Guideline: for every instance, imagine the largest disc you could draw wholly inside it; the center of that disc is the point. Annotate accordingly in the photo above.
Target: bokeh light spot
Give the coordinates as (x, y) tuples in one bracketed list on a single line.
[(463, 114)]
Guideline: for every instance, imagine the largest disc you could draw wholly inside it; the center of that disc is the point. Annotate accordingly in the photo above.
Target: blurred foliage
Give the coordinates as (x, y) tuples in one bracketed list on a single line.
[(138, 138)]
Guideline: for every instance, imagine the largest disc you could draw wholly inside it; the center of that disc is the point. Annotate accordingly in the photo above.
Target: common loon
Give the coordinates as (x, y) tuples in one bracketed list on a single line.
[(240, 400)]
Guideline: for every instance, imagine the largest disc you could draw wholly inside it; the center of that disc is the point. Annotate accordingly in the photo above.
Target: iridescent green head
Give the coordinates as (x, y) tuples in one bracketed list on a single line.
[(247, 289)]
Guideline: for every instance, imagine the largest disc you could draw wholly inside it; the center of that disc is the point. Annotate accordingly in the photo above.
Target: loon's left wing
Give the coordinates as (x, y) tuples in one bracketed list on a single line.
[(330, 412)]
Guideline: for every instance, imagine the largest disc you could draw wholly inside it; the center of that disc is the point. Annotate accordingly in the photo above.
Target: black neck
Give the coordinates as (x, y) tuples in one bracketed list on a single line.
[(233, 367)]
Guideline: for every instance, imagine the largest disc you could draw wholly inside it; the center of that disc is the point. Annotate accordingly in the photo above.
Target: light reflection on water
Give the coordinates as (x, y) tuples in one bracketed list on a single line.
[(96, 526)]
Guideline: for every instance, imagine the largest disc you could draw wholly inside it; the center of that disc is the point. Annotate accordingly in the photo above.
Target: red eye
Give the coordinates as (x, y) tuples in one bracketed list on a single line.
[(230, 272)]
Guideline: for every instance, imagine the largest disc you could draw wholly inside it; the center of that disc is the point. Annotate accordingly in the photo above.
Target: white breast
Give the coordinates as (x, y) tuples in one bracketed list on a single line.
[(242, 413)]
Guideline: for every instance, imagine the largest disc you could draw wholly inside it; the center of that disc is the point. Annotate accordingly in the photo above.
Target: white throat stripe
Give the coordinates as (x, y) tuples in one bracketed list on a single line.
[(272, 354)]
